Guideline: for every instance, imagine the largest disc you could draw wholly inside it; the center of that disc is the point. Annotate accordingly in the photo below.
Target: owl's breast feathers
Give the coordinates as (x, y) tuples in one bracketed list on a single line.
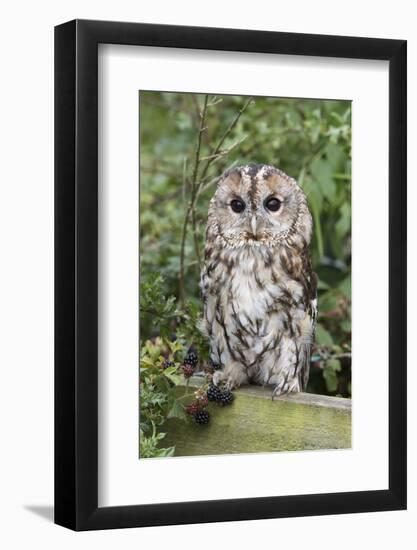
[(260, 309)]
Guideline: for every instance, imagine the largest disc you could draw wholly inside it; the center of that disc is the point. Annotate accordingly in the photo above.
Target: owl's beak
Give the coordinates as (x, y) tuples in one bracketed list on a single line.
[(253, 225)]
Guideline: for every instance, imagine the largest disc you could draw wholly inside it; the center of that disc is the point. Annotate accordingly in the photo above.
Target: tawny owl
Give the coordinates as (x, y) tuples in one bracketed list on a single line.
[(257, 285)]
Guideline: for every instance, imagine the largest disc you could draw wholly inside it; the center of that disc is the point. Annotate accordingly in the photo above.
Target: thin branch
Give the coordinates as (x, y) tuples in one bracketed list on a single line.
[(184, 179), (224, 137), (224, 152), (191, 206), (206, 185), (214, 101), (195, 235), (203, 186), (196, 113)]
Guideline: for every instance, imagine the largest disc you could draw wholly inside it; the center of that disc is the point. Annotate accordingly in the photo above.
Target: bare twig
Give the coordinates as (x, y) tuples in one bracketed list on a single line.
[(184, 177), (191, 206), (207, 184), (223, 152), (196, 108), (203, 186), (224, 137), (214, 101)]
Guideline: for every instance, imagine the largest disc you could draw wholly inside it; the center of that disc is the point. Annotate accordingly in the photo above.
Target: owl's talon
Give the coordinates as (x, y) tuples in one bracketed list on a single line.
[(217, 378), (228, 385), (224, 380)]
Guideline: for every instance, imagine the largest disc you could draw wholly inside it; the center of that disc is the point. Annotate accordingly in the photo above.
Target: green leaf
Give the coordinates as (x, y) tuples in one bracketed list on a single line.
[(177, 411), (343, 225), (162, 453), (175, 378), (328, 301), (313, 192), (175, 346), (317, 226), (149, 446), (346, 325), (146, 362), (323, 337), (330, 378), (322, 285), (329, 374), (323, 175), (333, 364), (346, 287), (170, 371), (334, 155)]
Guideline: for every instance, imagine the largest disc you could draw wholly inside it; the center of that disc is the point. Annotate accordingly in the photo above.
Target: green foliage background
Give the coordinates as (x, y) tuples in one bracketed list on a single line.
[(308, 139)]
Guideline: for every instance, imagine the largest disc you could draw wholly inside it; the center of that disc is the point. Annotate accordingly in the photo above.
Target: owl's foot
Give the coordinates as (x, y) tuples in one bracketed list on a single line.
[(283, 389), (276, 392), (219, 379), (230, 378)]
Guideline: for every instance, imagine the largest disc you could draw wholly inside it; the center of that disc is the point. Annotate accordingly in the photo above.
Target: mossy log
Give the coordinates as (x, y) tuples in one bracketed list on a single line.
[(256, 423)]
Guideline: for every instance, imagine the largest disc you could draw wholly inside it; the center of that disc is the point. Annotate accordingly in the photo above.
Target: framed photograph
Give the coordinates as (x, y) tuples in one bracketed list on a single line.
[(230, 255)]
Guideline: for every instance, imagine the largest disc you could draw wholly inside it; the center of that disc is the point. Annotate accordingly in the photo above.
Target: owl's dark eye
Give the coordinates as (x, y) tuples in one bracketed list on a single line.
[(273, 204), (237, 205)]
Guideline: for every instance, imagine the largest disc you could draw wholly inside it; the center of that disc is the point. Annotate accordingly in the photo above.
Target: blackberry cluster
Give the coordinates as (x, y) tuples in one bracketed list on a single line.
[(213, 393), (222, 397), (202, 417), (191, 358), (226, 398), (167, 363), (197, 410)]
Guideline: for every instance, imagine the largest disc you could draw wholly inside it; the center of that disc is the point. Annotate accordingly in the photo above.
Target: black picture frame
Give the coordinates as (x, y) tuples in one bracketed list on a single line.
[(76, 272)]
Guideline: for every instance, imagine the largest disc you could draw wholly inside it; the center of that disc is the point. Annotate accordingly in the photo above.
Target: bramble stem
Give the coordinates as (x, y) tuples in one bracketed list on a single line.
[(191, 206)]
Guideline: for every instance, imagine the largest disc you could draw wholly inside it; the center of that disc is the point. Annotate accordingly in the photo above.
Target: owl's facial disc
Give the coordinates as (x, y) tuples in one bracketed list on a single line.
[(257, 204)]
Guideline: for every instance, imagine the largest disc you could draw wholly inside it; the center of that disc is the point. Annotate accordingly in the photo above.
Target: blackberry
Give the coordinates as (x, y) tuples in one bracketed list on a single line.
[(192, 408), (191, 358), (187, 370), (166, 363), (226, 398), (202, 417), (214, 393)]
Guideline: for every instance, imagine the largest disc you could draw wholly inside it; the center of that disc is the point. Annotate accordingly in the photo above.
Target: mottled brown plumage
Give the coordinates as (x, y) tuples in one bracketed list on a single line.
[(258, 288)]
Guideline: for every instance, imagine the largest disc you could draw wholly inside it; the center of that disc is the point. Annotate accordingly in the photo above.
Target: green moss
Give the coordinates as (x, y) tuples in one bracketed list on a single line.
[(253, 424)]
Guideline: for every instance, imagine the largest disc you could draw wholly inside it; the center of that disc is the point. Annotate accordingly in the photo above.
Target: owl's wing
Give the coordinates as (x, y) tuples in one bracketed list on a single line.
[(205, 286), (311, 290), (313, 300)]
